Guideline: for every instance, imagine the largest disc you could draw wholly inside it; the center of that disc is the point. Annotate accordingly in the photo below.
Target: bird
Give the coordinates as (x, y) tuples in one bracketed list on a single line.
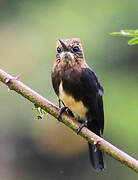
[(79, 90)]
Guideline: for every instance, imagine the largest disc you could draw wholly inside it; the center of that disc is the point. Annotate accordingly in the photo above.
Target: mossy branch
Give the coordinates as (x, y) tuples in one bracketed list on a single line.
[(14, 84)]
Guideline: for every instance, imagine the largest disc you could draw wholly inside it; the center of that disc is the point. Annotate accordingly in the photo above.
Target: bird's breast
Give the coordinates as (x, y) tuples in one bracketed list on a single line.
[(77, 107)]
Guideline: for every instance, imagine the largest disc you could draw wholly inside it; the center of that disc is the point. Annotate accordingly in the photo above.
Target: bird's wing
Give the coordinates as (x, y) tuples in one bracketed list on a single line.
[(93, 98)]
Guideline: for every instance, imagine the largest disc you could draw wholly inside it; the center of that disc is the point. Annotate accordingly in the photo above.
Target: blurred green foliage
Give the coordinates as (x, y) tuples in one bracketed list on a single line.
[(128, 33), (44, 149)]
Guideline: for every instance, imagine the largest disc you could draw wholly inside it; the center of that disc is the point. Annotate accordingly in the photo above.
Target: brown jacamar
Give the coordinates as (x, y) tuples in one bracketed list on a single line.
[(78, 88)]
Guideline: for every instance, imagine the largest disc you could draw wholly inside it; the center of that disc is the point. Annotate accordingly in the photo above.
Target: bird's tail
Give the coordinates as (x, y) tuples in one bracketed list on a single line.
[(96, 157)]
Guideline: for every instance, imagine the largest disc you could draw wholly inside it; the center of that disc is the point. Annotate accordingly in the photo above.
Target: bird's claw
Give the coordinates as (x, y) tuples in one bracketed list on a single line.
[(84, 124), (60, 112)]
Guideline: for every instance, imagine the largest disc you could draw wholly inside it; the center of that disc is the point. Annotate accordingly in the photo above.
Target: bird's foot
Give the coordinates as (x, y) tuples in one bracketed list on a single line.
[(60, 112), (63, 109), (59, 103), (84, 124), (70, 112)]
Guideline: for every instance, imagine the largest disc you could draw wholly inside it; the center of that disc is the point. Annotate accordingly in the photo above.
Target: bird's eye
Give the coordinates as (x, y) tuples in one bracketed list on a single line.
[(58, 49), (75, 49)]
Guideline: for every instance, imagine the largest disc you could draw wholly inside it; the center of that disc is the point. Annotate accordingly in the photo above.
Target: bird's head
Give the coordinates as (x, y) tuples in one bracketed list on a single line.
[(69, 50)]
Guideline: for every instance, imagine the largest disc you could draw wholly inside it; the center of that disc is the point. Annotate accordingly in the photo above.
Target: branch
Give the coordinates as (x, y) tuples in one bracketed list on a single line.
[(16, 85)]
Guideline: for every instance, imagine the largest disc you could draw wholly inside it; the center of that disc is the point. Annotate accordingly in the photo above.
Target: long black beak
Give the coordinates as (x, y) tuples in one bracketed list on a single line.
[(63, 45)]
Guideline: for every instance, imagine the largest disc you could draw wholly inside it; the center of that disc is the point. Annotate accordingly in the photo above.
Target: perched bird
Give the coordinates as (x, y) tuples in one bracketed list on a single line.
[(78, 88)]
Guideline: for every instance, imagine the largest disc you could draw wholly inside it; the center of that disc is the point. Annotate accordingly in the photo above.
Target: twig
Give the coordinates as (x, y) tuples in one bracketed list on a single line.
[(16, 85)]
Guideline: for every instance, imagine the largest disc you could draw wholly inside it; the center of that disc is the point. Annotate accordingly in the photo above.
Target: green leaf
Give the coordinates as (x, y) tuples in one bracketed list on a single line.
[(133, 41), (40, 112), (128, 33)]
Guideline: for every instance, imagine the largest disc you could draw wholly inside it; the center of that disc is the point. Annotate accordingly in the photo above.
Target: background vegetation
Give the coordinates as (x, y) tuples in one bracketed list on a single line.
[(45, 149)]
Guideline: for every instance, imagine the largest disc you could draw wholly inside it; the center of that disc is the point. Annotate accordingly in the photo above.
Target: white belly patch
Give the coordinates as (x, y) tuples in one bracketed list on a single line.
[(77, 107)]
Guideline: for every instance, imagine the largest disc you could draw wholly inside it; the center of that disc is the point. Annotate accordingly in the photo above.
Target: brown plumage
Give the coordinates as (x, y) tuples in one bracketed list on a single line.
[(78, 88)]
